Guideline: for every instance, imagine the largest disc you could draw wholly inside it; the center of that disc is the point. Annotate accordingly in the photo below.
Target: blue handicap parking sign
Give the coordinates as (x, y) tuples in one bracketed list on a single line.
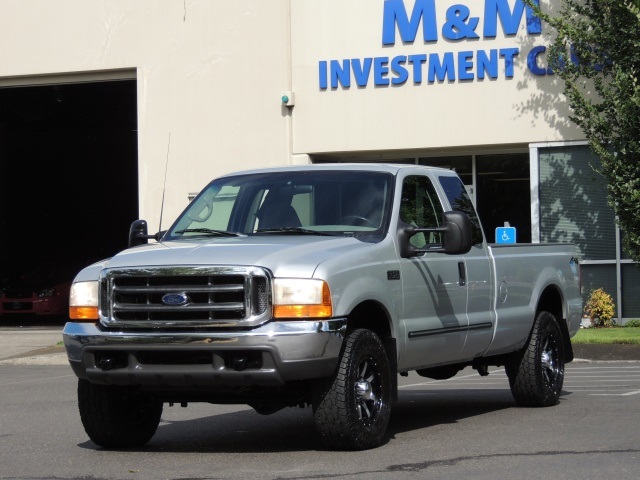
[(506, 235)]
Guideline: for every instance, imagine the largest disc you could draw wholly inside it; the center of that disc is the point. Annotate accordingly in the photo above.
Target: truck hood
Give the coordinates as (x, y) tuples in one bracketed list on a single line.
[(285, 256)]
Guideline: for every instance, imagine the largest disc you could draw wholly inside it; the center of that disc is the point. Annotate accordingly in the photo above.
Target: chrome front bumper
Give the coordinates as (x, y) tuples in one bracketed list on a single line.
[(271, 355)]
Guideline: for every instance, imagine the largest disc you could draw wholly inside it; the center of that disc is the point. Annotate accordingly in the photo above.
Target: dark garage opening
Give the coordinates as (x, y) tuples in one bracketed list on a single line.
[(68, 181)]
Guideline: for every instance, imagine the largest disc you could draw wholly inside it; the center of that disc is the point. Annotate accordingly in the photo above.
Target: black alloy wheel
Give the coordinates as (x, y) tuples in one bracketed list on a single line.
[(352, 411), (536, 374)]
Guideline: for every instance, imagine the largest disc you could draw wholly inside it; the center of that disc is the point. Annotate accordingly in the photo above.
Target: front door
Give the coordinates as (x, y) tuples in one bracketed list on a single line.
[(435, 299)]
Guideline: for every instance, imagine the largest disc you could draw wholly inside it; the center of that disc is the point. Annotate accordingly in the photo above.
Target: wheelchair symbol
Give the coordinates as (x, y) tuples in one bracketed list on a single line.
[(505, 235)]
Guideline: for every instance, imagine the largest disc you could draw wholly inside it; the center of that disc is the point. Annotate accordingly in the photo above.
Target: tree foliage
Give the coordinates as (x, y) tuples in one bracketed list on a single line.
[(596, 52)]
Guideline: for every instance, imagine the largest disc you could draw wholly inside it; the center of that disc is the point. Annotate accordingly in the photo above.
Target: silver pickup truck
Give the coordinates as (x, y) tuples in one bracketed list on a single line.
[(316, 286)]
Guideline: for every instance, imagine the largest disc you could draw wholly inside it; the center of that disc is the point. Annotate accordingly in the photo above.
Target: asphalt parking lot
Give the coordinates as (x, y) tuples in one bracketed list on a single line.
[(467, 426)]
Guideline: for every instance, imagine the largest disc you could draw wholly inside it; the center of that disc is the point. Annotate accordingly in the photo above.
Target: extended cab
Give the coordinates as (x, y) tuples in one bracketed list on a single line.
[(316, 286)]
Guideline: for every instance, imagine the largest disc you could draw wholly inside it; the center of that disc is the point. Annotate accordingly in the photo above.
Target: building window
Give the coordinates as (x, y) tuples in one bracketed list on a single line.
[(574, 208), (503, 194), (498, 185), (573, 203)]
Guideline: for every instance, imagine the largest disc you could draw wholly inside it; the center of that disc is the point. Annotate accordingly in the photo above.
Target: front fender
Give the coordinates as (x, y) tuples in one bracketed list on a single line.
[(367, 276), (364, 290)]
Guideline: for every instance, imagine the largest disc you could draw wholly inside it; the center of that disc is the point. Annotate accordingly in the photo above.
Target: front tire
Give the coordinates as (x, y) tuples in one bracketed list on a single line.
[(537, 373), (117, 417), (352, 411)]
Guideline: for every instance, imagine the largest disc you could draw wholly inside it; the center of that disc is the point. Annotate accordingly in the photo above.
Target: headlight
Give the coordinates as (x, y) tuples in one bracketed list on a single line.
[(301, 298), (83, 301), (47, 292)]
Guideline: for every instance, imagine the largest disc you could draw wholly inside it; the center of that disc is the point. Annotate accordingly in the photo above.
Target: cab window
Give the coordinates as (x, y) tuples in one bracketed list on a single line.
[(459, 199), (421, 207)]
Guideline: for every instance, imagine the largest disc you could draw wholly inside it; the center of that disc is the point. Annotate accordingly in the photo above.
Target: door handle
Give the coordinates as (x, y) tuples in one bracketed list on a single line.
[(462, 274)]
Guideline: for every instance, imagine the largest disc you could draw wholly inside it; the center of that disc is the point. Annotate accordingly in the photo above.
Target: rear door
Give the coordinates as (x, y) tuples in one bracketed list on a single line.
[(478, 272)]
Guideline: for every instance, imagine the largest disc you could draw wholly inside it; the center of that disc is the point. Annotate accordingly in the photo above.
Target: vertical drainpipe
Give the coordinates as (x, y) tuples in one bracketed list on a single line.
[(618, 275), (288, 111)]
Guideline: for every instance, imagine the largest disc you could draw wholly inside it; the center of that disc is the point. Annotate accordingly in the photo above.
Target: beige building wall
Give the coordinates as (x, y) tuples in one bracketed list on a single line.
[(210, 76), (438, 115)]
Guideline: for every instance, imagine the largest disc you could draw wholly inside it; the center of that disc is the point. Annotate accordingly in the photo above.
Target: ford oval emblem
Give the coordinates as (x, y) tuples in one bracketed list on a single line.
[(175, 299)]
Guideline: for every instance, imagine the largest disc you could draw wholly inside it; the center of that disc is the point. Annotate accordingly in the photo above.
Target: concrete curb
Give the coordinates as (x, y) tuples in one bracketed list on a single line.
[(42, 346), (60, 358), (53, 355), (41, 360)]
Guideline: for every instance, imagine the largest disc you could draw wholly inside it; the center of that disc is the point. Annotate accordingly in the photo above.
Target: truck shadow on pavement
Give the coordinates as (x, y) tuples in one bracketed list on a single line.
[(417, 409), (292, 429)]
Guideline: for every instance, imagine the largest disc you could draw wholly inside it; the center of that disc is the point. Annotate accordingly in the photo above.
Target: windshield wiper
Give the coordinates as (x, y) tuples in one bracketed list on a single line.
[(293, 230), (209, 231)]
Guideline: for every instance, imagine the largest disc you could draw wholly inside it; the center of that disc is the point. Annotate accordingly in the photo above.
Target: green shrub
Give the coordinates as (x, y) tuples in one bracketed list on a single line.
[(600, 308), (632, 323)]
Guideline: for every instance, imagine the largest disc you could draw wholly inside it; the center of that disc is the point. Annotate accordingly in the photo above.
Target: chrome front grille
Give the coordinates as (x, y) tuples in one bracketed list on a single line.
[(185, 296)]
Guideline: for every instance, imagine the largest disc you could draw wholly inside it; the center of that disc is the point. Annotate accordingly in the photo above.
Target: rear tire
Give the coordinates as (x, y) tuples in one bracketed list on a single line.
[(536, 374), (352, 411), (117, 417)]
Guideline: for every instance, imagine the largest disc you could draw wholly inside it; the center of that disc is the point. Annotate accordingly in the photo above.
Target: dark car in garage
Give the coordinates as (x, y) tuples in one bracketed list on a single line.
[(41, 291)]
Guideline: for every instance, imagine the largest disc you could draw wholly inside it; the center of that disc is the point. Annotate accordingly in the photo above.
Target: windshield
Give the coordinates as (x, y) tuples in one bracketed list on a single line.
[(294, 203)]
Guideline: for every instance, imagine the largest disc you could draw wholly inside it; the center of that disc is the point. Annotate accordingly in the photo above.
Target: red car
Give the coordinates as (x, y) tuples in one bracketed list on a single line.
[(42, 291)]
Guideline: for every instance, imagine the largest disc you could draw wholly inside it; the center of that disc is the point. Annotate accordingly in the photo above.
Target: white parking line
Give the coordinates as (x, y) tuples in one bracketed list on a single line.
[(628, 394), (575, 368), (619, 380), (602, 380)]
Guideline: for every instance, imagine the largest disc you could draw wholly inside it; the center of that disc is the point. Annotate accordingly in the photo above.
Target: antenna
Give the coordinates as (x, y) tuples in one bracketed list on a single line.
[(164, 186)]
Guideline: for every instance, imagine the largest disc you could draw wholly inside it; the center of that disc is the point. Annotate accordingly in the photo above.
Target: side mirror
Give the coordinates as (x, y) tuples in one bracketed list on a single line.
[(456, 236), (139, 234)]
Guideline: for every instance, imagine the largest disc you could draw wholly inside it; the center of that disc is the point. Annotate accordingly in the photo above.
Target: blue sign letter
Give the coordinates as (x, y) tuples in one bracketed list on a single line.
[(361, 70), (532, 61), (322, 73), (395, 13), (417, 61), (465, 65), (441, 70), (510, 20), (508, 54), (397, 67), (340, 73), (487, 63)]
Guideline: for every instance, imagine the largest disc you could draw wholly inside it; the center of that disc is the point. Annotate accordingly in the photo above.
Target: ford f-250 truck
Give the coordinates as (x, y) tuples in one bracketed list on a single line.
[(316, 286)]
